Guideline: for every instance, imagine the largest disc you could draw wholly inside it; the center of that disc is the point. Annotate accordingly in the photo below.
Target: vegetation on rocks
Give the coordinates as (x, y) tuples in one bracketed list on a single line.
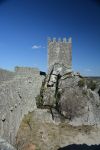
[(91, 85), (81, 83)]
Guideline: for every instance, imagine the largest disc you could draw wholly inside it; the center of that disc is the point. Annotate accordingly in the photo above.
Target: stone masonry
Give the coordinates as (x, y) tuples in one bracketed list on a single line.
[(17, 97), (6, 75), (60, 52)]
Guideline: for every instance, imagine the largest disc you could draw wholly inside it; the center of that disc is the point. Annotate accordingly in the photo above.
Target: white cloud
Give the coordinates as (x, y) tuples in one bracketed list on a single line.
[(37, 46)]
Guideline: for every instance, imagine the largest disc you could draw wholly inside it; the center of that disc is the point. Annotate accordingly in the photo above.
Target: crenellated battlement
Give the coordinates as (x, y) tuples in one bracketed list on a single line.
[(63, 40), (60, 51)]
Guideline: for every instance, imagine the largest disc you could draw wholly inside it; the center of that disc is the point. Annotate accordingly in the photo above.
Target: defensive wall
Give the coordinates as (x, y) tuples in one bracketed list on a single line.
[(6, 75), (17, 97)]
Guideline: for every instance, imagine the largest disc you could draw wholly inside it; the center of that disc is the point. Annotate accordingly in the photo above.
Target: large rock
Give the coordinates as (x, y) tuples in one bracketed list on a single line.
[(68, 93)]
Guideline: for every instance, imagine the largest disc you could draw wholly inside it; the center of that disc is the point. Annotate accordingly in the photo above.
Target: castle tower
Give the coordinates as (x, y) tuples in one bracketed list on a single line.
[(60, 51)]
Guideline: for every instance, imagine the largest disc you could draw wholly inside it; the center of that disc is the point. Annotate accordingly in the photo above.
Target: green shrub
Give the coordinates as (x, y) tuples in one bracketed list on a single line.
[(91, 85), (81, 83)]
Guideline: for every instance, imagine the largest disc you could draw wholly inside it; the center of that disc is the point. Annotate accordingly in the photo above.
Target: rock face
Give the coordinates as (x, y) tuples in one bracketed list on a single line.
[(67, 93)]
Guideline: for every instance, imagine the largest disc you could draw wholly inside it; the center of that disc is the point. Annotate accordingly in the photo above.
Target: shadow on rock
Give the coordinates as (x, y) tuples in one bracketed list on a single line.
[(80, 147)]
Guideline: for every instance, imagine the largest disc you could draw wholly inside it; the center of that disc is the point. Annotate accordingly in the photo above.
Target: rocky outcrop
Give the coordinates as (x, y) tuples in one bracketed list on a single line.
[(68, 94)]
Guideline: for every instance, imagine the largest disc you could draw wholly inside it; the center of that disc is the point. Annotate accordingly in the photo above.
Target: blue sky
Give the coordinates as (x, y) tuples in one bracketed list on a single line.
[(25, 26)]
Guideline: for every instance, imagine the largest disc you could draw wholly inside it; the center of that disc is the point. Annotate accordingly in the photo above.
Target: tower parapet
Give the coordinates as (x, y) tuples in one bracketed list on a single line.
[(64, 40), (60, 51)]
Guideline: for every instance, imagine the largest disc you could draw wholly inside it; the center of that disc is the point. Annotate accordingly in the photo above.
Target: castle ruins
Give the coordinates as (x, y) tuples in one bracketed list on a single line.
[(18, 89)]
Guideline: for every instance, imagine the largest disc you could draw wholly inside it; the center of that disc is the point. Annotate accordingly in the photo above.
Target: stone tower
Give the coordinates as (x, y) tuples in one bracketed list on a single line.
[(60, 51)]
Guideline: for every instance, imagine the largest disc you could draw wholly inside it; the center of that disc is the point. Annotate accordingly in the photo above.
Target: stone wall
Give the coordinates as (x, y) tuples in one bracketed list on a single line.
[(17, 98), (26, 71), (6, 75), (60, 52)]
